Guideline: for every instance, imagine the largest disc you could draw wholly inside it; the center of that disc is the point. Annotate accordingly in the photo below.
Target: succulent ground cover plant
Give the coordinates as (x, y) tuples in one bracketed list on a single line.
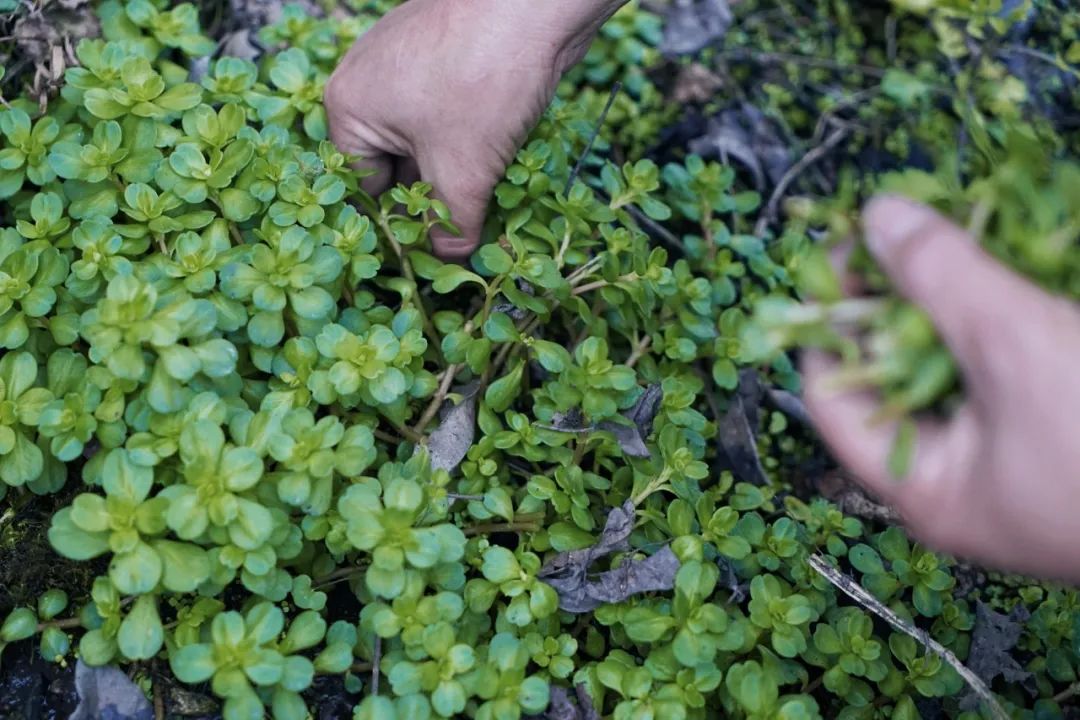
[(290, 444)]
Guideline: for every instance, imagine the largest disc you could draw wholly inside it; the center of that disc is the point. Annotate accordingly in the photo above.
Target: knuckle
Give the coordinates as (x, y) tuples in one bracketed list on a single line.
[(336, 92)]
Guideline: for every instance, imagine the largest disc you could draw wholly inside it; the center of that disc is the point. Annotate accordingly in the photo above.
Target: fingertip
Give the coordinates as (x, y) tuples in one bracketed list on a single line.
[(890, 220), (843, 418), (379, 174), (452, 248)]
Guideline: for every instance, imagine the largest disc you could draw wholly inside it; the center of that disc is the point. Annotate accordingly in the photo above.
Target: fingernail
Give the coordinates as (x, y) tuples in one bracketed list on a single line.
[(890, 220)]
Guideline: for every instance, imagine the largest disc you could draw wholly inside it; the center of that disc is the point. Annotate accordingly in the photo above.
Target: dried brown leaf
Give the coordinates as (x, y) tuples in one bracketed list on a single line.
[(449, 443), (738, 431), (107, 692), (568, 572), (992, 642), (692, 25)]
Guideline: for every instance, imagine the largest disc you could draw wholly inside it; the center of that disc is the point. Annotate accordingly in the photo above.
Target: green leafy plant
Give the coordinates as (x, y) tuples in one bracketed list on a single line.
[(290, 442)]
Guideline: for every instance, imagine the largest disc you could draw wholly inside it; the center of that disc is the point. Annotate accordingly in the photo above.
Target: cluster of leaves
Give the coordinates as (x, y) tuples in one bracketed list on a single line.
[(1010, 180), (230, 359)]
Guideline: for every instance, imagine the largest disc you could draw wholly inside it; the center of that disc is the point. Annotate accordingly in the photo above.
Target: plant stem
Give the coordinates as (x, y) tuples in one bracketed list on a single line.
[(639, 351), (525, 327), (407, 271), (375, 660), (707, 235), (654, 485), (583, 270), (65, 624), (589, 287), (863, 597), (74, 622), (234, 232), (405, 432), (1067, 693), (437, 401), (159, 698), (387, 437), (592, 139), (772, 208), (811, 687), (339, 574), (523, 523), (500, 527)]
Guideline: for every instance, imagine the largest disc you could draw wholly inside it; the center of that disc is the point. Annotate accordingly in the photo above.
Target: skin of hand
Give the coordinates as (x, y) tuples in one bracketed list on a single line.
[(445, 91), (998, 482)]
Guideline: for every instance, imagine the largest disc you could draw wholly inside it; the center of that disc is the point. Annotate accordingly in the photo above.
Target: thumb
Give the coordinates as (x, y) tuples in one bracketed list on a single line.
[(465, 185), (972, 299)]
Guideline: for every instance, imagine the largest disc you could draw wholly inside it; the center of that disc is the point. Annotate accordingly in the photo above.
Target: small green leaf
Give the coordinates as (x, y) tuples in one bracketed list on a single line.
[(450, 277), (141, 635)]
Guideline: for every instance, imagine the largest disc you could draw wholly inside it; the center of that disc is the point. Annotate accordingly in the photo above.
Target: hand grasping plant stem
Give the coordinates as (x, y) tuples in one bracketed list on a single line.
[(446, 90)]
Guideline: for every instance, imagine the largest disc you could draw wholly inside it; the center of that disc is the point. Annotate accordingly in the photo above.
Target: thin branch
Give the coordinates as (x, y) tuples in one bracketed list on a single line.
[(376, 658), (648, 223), (760, 57), (639, 351), (1067, 693), (74, 622), (526, 522), (1041, 56), (592, 138), (159, 696), (406, 269), (445, 382), (405, 432), (589, 287), (437, 400), (860, 595), (387, 437), (467, 498), (234, 233), (811, 157)]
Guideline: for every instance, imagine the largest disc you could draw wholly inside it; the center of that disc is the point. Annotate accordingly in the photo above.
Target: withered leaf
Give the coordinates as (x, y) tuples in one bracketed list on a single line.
[(37, 34), (560, 706), (631, 435), (692, 25), (513, 311), (241, 44), (563, 706), (790, 404), (737, 431), (106, 692), (745, 135), (992, 641), (580, 592), (729, 579), (449, 443)]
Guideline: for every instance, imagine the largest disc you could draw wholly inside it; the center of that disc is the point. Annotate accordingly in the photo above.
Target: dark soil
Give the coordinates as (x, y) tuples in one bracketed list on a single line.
[(32, 689)]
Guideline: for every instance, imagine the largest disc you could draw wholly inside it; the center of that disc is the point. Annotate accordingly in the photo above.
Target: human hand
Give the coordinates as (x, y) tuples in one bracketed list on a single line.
[(446, 91), (999, 482)]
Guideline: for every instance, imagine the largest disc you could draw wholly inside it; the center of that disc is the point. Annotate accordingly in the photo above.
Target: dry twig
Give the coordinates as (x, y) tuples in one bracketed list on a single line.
[(859, 594), (817, 153), (376, 658), (592, 138)]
